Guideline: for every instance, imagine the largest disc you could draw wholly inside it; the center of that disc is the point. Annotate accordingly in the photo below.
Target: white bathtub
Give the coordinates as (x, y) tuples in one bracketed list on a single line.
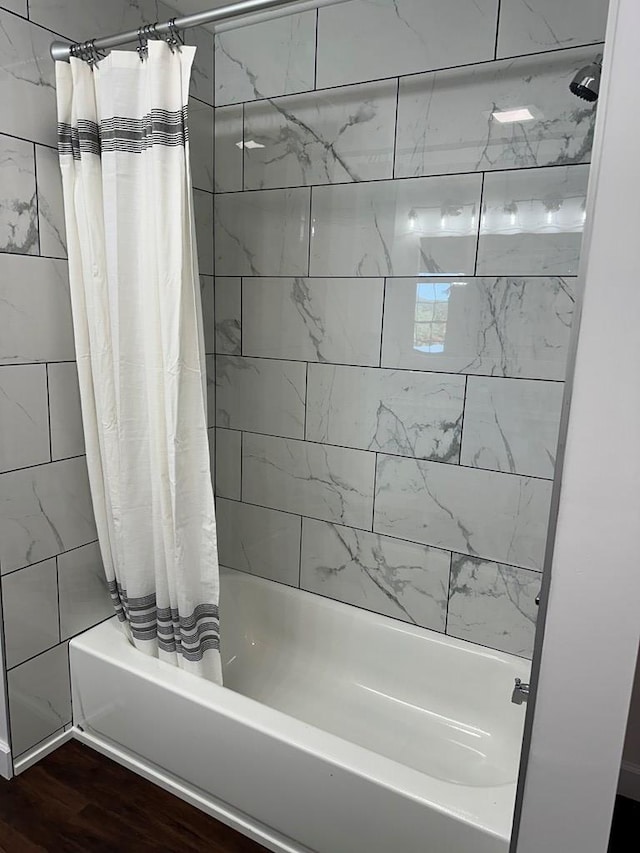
[(338, 730)]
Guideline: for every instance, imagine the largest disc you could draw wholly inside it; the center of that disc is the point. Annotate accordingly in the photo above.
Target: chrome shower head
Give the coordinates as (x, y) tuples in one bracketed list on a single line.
[(586, 83)]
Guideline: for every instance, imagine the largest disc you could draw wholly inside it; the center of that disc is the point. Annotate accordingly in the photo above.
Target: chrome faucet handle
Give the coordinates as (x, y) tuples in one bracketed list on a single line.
[(520, 692)]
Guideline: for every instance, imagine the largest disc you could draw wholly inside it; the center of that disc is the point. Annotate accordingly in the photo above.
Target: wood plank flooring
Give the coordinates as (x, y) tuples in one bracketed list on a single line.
[(77, 801)]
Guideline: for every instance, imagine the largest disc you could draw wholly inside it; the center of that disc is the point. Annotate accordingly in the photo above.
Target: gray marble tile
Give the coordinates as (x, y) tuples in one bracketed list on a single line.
[(260, 541), (326, 137), (228, 298), (211, 440), (84, 595), (388, 576), (17, 6), (313, 319), (201, 144), (53, 237), (446, 119), (67, 436), (210, 364), (515, 327), (35, 322), (262, 233), (24, 434), (44, 511), (228, 456), (30, 606), (27, 81), (512, 425), (203, 210), (482, 513), (202, 72), (266, 59), (422, 226), (39, 698), (18, 205), (532, 221), (261, 395), (228, 148), (391, 411), (208, 313), (493, 605), (369, 39), (529, 26), (329, 483), (84, 19)]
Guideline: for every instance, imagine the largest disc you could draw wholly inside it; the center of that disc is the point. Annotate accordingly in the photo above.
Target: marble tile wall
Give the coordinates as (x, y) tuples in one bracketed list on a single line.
[(52, 581), (395, 259)]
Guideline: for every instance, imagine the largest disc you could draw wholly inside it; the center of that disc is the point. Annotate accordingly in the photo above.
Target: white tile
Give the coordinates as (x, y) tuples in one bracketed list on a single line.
[(27, 80), (44, 511), (329, 483), (495, 326), (529, 26), (446, 124), (262, 233), (261, 395), (84, 595), (228, 456), (67, 436), (17, 6), (260, 541), (266, 59), (422, 226), (313, 319), (365, 40), (493, 605), (201, 144), (228, 299), (210, 363), (512, 425), (30, 606), (228, 148), (18, 205), (39, 698), (388, 576), (24, 434), (202, 72), (391, 411), (208, 312), (532, 221), (496, 516), (332, 136), (35, 322), (53, 238), (203, 210), (84, 19)]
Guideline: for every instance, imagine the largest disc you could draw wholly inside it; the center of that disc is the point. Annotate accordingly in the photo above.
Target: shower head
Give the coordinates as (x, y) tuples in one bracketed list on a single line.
[(586, 83)]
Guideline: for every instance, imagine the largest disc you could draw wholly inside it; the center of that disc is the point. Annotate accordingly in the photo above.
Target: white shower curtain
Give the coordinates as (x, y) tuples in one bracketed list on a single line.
[(135, 295)]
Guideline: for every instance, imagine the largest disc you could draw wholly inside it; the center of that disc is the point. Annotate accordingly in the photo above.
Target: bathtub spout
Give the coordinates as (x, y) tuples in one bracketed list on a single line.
[(520, 692)]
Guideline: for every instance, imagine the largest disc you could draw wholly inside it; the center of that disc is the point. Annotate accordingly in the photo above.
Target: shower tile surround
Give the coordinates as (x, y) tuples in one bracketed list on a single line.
[(53, 584), (394, 295)]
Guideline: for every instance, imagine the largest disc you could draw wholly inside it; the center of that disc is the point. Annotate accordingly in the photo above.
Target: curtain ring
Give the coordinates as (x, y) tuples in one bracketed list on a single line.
[(143, 44), (93, 54), (173, 38)]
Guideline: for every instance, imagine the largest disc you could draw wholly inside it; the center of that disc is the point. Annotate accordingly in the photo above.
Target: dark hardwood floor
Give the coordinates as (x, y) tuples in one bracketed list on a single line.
[(77, 801)]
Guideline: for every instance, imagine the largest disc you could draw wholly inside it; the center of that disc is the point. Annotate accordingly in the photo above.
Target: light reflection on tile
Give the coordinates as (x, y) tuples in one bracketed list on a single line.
[(532, 221), (446, 123), (340, 135), (422, 226), (228, 156), (494, 326)]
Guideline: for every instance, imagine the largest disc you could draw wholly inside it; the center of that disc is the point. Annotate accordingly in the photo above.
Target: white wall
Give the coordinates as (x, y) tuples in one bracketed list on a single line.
[(592, 628)]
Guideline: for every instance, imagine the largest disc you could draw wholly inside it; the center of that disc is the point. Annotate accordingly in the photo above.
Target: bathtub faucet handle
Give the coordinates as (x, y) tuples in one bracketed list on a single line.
[(520, 692)]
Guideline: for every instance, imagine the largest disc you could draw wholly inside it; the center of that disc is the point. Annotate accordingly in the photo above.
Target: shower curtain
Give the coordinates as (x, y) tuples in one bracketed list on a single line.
[(135, 295)]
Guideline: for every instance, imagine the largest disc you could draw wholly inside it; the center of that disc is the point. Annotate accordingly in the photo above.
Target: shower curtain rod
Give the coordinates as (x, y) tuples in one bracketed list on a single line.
[(61, 50)]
